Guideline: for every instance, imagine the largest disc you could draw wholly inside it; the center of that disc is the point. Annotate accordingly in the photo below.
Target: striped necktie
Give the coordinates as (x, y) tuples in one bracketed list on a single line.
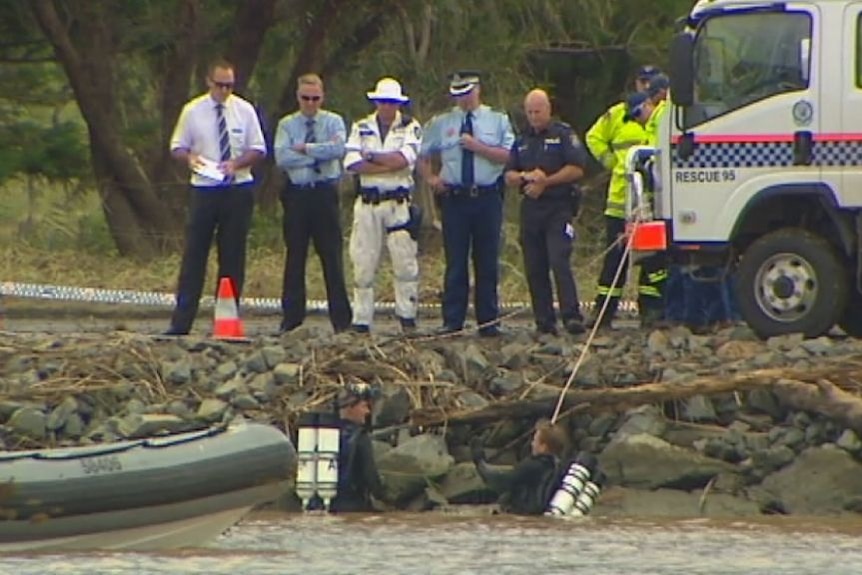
[(309, 131), (223, 140), (468, 177), (310, 139)]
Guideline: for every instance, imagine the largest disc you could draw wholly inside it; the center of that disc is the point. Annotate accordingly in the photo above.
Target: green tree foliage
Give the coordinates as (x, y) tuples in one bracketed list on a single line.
[(129, 67)]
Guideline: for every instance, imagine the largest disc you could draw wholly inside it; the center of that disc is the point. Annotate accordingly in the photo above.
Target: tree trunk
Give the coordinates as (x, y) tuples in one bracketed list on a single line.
[(252, 20), (175, 68), (804, 390), (126, 190)]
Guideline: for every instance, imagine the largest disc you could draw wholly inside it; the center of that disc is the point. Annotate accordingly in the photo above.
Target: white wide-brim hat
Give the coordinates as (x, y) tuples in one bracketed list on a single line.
[(388, 90)]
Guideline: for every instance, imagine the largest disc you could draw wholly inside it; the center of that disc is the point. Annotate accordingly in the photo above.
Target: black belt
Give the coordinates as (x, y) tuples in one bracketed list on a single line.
[(376, 195), (472, 191), (224, 186), (313, 185)]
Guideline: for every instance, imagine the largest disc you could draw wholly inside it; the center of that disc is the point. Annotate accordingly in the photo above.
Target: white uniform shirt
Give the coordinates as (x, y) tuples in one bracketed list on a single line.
[(403, 136), (197, 132)]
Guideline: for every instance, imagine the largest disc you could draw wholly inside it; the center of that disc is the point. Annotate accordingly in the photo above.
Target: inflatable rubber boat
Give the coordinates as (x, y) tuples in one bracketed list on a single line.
[(157, 493)]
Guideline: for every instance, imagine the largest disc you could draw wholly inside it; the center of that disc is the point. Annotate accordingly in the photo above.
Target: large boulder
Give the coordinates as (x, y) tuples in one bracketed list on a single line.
[(406, 469), (624, 502), (462, 484), (821, 480), (647, 462)]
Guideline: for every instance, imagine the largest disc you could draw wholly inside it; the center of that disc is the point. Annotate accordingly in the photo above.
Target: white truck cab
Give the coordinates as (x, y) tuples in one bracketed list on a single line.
[(759, 158)]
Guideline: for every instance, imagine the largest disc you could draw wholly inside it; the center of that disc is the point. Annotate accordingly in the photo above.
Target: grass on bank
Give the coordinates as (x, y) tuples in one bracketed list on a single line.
[(60, 238)]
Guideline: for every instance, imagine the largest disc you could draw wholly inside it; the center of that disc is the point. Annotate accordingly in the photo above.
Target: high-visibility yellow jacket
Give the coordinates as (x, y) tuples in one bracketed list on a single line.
[(652, 125), (609, 140)]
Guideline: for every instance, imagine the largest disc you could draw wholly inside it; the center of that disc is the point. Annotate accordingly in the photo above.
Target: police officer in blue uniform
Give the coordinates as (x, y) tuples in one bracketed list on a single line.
[(544, 163), (473, 142)]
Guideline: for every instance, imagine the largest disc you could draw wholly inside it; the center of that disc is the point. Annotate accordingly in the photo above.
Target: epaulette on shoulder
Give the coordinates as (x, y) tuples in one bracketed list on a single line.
[(563, 125)]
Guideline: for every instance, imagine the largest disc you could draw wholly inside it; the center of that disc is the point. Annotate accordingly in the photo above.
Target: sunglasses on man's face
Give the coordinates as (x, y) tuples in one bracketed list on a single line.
[(223, 85), (310, 98)]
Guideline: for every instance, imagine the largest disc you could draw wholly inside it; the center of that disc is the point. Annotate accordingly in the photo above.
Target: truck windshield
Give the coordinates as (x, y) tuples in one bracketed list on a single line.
[(741, 58)]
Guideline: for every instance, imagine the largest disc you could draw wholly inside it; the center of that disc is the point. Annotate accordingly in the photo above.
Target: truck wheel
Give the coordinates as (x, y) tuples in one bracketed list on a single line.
[(791, 281)]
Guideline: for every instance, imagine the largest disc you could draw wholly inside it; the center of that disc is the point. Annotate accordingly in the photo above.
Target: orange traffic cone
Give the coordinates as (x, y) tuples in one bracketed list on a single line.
[(227, 324)]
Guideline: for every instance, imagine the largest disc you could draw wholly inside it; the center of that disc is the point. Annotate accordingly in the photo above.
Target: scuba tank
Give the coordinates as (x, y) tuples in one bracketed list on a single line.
[(589, 494), (574, 481), (317, 455)]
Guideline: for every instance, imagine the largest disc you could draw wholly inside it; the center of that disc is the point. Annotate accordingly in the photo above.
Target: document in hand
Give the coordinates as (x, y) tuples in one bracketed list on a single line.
[(208, 169)]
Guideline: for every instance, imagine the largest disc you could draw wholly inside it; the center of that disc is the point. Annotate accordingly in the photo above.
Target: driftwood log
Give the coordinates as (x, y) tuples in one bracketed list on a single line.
[(832, 390)]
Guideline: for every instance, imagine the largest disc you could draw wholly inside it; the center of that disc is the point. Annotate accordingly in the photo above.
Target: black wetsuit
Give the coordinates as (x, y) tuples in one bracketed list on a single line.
[(358, 478), (524, 488)]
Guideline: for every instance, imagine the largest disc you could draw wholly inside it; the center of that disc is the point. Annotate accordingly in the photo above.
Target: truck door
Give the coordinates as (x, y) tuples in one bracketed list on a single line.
[(848, 134), (757, 109)]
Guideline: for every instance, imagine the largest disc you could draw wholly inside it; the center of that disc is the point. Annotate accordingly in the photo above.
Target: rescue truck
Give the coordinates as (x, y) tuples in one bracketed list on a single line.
[(758, 165)]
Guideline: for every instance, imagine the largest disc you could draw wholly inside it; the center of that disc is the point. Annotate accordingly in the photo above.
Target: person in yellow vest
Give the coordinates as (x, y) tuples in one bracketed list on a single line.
[(609, 140)]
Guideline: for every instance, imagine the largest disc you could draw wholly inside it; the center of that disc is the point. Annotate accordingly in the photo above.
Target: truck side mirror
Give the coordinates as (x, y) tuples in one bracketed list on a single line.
[(682, 69)]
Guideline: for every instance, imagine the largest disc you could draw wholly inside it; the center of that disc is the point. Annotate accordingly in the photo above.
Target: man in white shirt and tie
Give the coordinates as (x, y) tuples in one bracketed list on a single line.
[(219, 137)]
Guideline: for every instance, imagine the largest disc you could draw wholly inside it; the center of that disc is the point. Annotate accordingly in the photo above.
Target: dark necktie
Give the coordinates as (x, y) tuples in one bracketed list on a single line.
[(223, 141), (468, 177), (310, 139)]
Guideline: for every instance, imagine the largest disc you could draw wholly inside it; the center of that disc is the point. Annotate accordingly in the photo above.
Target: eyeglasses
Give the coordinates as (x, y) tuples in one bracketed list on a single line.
[(310, 98), (223, 85)]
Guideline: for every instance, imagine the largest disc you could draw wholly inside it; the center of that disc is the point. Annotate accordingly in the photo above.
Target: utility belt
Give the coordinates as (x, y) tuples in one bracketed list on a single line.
[(320, 184), (473, 191), (560, 194), (376, 195)]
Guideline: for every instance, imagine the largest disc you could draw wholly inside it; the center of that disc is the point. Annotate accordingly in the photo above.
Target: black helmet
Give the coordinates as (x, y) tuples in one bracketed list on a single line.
[(353, 393)]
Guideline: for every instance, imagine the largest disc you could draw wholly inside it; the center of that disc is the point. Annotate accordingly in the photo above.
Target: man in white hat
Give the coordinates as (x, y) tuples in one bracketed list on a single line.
[(382, 149)]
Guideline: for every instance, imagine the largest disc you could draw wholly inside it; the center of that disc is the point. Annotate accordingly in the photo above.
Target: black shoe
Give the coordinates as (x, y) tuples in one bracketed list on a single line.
[(175, 331), (547, 329), (286, 327), (490, 331), (447, 329), (604, 324), (408, 324), (574, 326), (361, 328)]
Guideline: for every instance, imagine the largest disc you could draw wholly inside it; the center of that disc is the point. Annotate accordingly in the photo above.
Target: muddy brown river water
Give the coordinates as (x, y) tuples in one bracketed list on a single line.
[(280, 544)]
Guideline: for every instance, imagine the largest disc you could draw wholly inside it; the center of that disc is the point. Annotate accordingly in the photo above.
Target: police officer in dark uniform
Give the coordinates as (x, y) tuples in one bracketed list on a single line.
[(358, 478), (545, 162)]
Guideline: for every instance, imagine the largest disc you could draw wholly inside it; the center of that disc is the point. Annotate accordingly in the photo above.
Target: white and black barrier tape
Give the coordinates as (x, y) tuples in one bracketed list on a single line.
[(166, 300)]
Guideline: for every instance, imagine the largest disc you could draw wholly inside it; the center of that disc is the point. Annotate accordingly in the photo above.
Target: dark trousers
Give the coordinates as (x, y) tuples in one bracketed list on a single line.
[(547, 237), (701, 297), (226, 212), (651, 279), (471, 227), (311, 215)]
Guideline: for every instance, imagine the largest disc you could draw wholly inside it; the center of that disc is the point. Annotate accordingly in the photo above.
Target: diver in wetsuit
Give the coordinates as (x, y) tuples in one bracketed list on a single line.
[(358, 478), (526, 489)]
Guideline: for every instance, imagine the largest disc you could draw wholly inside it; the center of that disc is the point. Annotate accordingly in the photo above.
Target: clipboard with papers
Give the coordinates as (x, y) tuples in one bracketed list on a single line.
[(208, 169)]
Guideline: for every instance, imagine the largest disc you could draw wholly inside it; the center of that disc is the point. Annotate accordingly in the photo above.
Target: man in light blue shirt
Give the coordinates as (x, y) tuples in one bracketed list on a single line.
[(309, 147), (473, 143)]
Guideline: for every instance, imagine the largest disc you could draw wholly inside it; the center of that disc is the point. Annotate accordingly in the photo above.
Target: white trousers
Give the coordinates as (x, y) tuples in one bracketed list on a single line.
[(369, 231)]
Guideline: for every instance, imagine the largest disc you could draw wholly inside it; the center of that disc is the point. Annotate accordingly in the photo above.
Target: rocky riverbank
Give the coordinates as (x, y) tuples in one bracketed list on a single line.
[(682, 424)]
